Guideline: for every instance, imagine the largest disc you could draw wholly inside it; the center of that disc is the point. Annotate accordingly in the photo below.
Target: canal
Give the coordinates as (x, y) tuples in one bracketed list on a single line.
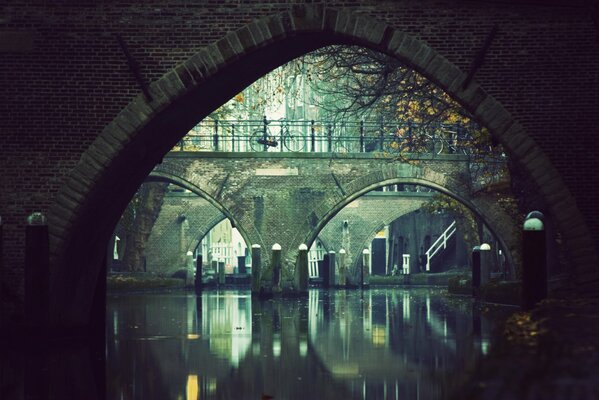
[(376, 344)]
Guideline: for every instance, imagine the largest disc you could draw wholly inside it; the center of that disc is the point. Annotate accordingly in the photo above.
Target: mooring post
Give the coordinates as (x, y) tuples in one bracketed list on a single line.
[(324, 271), (302, 267), (342, 276), (332, 268), (198, 275), (475, 270), (1, 263), (221, 271), (365, 281), (189, 278), (485, 263), (534, 260), (256, 268), (276, 266), (37, 270)]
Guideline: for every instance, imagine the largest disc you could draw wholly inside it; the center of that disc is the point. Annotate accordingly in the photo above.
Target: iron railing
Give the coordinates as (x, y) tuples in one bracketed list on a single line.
[(329, 137)]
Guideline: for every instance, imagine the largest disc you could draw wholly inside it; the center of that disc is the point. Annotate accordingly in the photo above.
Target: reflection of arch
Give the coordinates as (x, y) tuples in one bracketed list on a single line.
[(370, 182), (115, 164)]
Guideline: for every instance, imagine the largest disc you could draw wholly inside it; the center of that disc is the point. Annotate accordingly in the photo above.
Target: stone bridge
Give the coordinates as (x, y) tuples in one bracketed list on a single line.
[(104, 131), (288, 198), (186, 218)]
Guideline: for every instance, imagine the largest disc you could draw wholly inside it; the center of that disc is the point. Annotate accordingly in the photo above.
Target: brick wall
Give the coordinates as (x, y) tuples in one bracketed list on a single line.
[(64, 77), (172, 238)]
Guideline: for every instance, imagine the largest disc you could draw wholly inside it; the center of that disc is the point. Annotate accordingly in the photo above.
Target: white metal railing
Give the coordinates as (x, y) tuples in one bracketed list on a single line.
[(440, 243)]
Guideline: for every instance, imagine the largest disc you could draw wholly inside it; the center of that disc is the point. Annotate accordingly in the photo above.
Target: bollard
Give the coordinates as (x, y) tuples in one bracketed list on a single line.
[(342, 274), (37, 269), (198, 276), (485, 263), (1, 264), (332, 269), (189, 281), (534, 261), (276, 265), (475, 270), (214, 267), (256, 267), (302, 260), (221, 271), (324, 273), (365, 280)]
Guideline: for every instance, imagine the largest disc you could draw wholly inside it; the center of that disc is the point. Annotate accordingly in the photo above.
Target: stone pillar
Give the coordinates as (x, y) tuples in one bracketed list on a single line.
[(365, 276), (534, 261), (256, 268), (302, 269), (276, 267), (332, 269), (198, 275), (324, 274), (1, 264), (37, 270), (485, 263), (475, 270), (214, 267), (342, 274), (189, 281)]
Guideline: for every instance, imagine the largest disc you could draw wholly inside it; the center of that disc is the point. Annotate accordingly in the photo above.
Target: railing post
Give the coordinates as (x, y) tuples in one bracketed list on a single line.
[(433, 142), (312, 136), (382, 136), (361, 136), (215, 136), (264, 133), (330, 139), (281, 136), (232, 137), (410, 136)]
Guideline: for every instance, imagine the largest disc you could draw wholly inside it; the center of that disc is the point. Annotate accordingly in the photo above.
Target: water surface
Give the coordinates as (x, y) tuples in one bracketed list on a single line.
[(375, 344)]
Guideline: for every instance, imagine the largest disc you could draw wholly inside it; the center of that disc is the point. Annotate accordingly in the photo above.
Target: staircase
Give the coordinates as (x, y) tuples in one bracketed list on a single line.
[(440, 243)]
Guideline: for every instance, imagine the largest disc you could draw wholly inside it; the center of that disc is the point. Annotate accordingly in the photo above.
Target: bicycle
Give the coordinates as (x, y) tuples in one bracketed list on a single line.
[(264, 140)]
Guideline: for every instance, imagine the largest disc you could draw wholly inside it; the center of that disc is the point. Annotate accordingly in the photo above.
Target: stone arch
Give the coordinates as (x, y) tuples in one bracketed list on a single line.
[(433, 180), (123, 154), (365, 220), (177, 180)]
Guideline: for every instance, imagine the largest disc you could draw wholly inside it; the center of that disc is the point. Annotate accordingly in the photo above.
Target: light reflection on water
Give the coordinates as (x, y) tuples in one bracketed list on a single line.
[(376, 344)]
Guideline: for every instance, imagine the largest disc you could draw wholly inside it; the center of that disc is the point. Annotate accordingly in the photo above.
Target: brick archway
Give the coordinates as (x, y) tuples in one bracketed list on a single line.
[(125, 151), (501, 230), (181, 182)]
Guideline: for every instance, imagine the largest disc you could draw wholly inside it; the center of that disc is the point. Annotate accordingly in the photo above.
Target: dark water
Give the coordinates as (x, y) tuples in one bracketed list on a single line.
[(377, 344)]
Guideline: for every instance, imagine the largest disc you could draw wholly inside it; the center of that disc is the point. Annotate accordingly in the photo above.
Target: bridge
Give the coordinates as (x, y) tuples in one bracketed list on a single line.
[(185, 219), (288, 198)]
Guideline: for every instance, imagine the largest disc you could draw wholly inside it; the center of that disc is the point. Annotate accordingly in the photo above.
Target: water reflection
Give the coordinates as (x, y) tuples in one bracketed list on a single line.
[(388, 344)]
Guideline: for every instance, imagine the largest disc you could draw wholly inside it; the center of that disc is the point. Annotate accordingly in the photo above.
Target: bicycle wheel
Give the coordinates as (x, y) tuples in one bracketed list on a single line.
[(294, 141), (254, 144)]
